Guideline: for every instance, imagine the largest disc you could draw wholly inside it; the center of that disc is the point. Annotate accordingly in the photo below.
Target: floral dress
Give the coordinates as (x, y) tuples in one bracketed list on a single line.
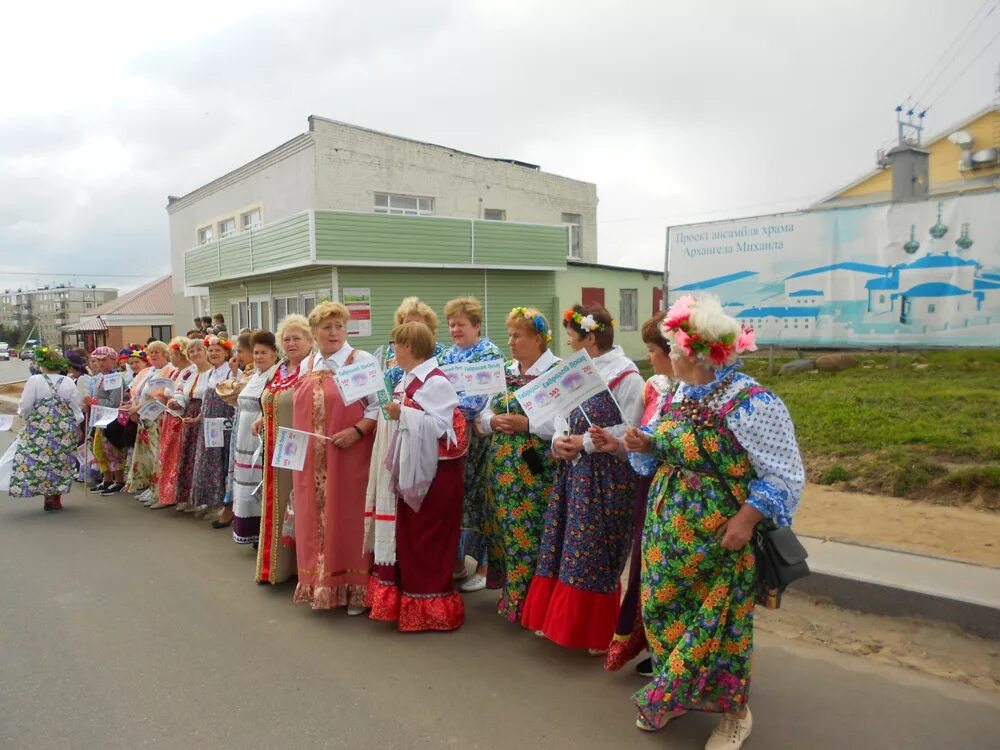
[(697, 596), (43, 461), (473, 541), (516, 500), (211, 464)]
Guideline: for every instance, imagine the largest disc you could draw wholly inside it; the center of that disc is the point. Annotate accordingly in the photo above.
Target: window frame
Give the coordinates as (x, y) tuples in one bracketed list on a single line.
[(501, 214), (631, 309), (574, 246), (244, 226), (206, 235), (391, 210), (223, 233)]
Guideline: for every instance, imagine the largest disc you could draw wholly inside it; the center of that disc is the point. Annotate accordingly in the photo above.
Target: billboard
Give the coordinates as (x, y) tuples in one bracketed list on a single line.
[(905, 274)]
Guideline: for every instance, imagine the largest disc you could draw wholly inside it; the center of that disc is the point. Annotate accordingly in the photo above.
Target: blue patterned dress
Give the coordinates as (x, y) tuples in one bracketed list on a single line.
[(473, 541), (393, 372), (574, 596)]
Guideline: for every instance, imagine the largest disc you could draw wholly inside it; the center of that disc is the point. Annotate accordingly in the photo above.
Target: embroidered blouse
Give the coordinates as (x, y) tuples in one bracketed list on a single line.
[(436, 397)]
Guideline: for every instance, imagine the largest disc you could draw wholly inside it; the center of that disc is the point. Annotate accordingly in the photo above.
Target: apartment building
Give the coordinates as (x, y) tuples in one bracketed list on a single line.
[(49, 308)]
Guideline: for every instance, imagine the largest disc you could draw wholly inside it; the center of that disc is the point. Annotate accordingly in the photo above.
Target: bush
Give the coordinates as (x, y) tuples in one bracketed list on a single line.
[(834, 474)]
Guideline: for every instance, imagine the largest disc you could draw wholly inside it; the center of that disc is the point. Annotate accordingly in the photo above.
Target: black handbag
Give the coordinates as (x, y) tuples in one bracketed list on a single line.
[(780, 556)]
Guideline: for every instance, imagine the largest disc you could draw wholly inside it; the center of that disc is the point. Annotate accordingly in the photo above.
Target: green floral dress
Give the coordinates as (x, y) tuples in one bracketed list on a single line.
[(516, 500), (43, 462), (697, 597)]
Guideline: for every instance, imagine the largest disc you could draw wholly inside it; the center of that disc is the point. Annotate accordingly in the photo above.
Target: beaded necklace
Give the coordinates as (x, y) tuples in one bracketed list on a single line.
[(703, 412)]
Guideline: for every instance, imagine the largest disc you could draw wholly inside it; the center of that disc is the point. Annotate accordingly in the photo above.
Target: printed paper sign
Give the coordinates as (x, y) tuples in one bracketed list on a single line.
[(151, 410), (158, 385), (455, 374), (562, 389), (360, 380), (102, 416), (359, 304), (112, 381), (484, 378), (290, 449), (6, 422), (215, 432)]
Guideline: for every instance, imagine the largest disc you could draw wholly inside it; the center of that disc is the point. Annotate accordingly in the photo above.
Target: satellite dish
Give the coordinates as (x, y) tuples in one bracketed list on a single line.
[(960, 138)]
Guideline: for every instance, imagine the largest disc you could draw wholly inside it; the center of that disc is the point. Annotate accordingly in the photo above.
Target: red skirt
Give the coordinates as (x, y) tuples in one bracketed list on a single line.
[(419, 591)]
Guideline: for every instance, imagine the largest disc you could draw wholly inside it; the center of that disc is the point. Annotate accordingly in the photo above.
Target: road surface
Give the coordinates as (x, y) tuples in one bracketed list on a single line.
[(13, 371), (122, 627)]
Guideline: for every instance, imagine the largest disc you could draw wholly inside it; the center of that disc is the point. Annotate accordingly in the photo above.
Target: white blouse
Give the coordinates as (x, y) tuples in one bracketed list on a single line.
[(436, 396), (194, 387), (339, 359), (627, 392), (544, 429), (37, 387)]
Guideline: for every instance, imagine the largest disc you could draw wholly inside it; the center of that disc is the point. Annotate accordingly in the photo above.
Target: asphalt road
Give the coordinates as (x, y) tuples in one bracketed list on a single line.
[(13, 371), (122, 627)]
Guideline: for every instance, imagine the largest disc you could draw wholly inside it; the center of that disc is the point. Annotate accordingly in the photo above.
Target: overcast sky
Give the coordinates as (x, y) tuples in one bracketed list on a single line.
[(678, 111)]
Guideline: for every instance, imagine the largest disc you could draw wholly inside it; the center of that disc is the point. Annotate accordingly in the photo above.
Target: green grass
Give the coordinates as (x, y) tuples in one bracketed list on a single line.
[(931, 431)]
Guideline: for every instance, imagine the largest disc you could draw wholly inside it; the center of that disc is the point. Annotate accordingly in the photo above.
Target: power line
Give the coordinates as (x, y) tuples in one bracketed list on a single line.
[(963, 70), (947, 49)]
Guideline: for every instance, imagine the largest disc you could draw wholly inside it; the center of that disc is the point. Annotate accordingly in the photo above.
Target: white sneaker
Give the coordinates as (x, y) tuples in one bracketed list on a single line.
[(353, 611), (145, 496), (731, 733), (474, 583)]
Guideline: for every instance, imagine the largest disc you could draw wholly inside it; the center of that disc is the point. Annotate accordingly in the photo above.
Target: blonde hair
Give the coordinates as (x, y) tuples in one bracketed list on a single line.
[(530, 320), (466, 307), (157, 346), (195, 342), (413, 306), (296, 321), (418, 336), (179, 341), (325, 310)]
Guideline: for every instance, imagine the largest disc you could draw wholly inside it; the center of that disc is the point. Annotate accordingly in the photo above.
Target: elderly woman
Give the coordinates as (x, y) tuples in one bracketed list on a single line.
[(212, 462), (275, 558), (574, 596), (410, 310), (630, 635), (728, 459), (50, 408), (427, 468), (188, 400), (465, 320), (144, 469), (241, 364), (171, 426), (248, 470), (330, 490), (109, 450), (519, 464)]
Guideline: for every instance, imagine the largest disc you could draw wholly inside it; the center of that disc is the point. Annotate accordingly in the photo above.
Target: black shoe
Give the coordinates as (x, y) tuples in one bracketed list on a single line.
[(644, 668), (221, 524), (112, 489), (100, 486)]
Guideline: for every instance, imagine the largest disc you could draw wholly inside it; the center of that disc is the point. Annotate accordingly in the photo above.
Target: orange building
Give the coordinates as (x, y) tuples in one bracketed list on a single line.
[(143, 313)]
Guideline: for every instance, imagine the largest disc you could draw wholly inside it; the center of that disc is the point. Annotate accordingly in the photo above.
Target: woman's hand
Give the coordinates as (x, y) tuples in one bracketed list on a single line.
[(637, 441), (345, 438), (736, 532), (191, 420), (508, 424), (172, 404), (257, 426), (393, 409), (603, 440), (234, 364), (568, 447)]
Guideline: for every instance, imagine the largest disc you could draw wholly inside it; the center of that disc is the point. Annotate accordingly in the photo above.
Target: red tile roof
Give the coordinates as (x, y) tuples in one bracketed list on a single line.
[(154, 298)]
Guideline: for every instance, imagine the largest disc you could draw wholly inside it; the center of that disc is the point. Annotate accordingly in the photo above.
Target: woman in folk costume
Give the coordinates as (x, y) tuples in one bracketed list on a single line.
[(144, 468), (211, 462), (248, 449), (728, 459), (171, 426), (410, 310), (329, 492), (109, 392), (50, 407), (465, 319), (188, 400), (574, 597), (427, 465), (241, 364), (630, 635), (275, 558), (520, 466)]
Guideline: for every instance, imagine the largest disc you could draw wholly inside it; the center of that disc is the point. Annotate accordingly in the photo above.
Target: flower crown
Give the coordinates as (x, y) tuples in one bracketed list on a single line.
[(537, 322), (175, 347), (49, 359), (720, 349), (225, 343), (585, 323)]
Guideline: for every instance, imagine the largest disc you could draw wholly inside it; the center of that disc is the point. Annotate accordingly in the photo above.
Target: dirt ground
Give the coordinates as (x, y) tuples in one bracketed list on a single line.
[(958, 533)]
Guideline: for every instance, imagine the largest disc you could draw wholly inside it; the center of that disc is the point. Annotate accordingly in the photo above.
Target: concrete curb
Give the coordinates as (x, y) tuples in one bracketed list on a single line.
[(904, 584)]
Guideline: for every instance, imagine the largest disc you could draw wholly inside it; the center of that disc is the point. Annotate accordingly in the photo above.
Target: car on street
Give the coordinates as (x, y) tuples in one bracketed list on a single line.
[(4, 351)]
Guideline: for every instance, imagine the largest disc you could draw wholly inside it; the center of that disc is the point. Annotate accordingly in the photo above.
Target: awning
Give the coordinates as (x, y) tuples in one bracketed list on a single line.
[(87, 324)]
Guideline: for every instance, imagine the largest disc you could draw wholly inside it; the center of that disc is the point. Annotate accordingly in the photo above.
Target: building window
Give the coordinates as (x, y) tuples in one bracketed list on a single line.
[(260, 315), (285, 306), (931, 308), (227, 228), (161, 333), (250, 220), (494, 214), (205, 235), (308, 302), (881, 299), (408, 205), (628, 309), (574, 235)]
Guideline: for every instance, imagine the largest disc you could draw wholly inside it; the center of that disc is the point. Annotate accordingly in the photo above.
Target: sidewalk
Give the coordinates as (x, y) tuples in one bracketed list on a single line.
[(896, 583)]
